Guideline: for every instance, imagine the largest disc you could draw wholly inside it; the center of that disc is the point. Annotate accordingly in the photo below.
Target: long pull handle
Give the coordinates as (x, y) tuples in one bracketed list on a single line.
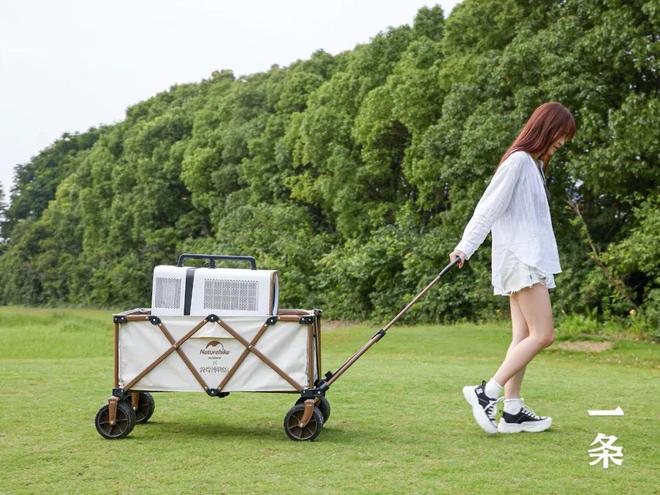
[(421, 294), (381, 333)]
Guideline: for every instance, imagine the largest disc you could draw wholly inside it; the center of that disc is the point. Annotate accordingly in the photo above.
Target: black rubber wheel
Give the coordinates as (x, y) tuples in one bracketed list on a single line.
[(323, 405), (145, 408), (308, 432), (124, 424)]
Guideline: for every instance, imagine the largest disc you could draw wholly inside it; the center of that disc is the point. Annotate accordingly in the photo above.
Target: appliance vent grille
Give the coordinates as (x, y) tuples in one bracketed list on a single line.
[(168, 293), (238, 295)]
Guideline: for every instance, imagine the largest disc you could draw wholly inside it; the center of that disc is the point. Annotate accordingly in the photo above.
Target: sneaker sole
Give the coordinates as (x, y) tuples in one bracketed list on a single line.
[(535, 427), (479, 414)]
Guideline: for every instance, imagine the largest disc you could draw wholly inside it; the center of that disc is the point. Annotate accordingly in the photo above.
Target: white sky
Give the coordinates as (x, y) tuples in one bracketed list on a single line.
[(68, 65)]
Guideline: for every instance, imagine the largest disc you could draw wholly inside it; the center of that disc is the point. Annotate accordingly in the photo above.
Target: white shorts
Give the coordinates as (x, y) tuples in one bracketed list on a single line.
[(514, 275)]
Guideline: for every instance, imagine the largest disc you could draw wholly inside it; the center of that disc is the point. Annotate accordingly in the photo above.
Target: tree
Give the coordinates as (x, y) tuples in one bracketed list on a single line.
[(355, 174)]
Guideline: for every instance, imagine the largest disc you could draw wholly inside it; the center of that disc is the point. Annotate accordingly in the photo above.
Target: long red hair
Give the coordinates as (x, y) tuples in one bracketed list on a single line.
[(548, 123)]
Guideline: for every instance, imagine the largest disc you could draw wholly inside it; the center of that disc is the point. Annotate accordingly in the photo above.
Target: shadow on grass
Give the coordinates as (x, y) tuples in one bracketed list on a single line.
[(231, 432), (206, 429)]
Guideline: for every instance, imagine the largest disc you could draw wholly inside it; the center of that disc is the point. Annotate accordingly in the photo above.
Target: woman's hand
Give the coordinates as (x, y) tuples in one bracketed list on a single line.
[(460, 254)]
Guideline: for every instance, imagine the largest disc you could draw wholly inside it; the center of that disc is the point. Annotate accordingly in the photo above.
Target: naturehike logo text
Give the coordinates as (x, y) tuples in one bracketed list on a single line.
[(214, 343)]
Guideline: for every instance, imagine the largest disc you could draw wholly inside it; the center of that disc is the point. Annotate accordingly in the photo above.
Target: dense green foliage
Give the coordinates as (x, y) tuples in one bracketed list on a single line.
[(355, 174)]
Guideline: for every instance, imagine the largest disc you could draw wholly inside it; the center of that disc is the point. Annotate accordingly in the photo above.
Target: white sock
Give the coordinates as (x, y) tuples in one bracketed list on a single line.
[(493, 389), (513, 406)]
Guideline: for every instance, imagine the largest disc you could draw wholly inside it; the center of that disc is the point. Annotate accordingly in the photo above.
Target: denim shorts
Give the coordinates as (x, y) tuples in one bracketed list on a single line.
[(514, 275)]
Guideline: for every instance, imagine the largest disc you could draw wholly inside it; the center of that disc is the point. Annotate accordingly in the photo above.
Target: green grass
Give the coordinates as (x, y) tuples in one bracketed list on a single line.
[(399, 422)]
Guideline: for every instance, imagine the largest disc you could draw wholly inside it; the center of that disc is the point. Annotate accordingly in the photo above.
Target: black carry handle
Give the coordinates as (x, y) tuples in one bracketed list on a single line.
[(213, 257)]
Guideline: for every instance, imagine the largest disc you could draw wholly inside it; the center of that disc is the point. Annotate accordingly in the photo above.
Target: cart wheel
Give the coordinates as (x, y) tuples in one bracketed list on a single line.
[(145, 408), (324, 406), (309, 431), (124, 422)]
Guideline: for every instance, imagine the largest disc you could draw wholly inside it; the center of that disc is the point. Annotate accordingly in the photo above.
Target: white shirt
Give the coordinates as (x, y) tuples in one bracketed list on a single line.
[(515, 207)]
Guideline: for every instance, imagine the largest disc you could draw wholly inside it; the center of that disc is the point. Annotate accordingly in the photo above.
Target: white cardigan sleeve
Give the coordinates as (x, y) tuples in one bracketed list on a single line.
[(492, 205)]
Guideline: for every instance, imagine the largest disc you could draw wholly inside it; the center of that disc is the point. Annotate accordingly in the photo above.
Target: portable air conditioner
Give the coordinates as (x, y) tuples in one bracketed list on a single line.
[(181, 291)]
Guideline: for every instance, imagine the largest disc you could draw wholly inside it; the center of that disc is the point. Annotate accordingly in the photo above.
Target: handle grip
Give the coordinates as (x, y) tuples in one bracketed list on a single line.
[(212, 258), (451, 265)]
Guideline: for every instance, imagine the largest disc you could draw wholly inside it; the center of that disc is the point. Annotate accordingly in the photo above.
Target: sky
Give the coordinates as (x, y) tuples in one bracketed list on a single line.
[(69, 65)]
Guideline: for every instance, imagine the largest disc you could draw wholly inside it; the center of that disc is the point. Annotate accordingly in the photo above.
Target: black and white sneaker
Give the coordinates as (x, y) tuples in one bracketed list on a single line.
[(484, 408), (524, 420)]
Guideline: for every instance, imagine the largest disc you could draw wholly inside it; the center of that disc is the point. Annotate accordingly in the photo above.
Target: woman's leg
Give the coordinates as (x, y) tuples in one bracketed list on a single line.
[(519, 331), (534, 305)]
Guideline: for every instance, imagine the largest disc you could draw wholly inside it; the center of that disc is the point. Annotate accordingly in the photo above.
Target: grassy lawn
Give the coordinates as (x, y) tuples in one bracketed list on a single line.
[(399, 422)]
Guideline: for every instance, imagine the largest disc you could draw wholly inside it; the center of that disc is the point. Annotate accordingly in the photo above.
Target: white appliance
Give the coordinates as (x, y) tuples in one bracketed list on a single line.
[(188, 291)]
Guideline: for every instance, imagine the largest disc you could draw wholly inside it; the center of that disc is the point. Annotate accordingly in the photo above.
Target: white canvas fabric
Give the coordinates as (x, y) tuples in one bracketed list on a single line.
[(515, 207), (213, 351)]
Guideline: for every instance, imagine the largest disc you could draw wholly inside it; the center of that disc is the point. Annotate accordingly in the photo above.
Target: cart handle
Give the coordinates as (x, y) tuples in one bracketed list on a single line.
[(213, 257), (421, 294), (332, 377)]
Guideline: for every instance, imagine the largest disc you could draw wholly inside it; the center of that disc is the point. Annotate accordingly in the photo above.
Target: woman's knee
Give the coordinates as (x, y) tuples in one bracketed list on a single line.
[(545, 338), (534, 304)]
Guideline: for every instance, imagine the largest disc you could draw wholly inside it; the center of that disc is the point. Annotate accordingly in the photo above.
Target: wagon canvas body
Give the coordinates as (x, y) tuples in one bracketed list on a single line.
[(278, 353)]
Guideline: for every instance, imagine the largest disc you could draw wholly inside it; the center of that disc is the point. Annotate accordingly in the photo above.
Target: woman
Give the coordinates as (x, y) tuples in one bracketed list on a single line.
[(524, 259)]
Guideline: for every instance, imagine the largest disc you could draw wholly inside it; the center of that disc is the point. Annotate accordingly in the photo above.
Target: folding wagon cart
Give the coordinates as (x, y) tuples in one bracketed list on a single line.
[(219, 330)]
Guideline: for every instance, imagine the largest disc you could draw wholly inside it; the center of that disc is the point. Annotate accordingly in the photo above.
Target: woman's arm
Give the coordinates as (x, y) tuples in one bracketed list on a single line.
[(492, 205)]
